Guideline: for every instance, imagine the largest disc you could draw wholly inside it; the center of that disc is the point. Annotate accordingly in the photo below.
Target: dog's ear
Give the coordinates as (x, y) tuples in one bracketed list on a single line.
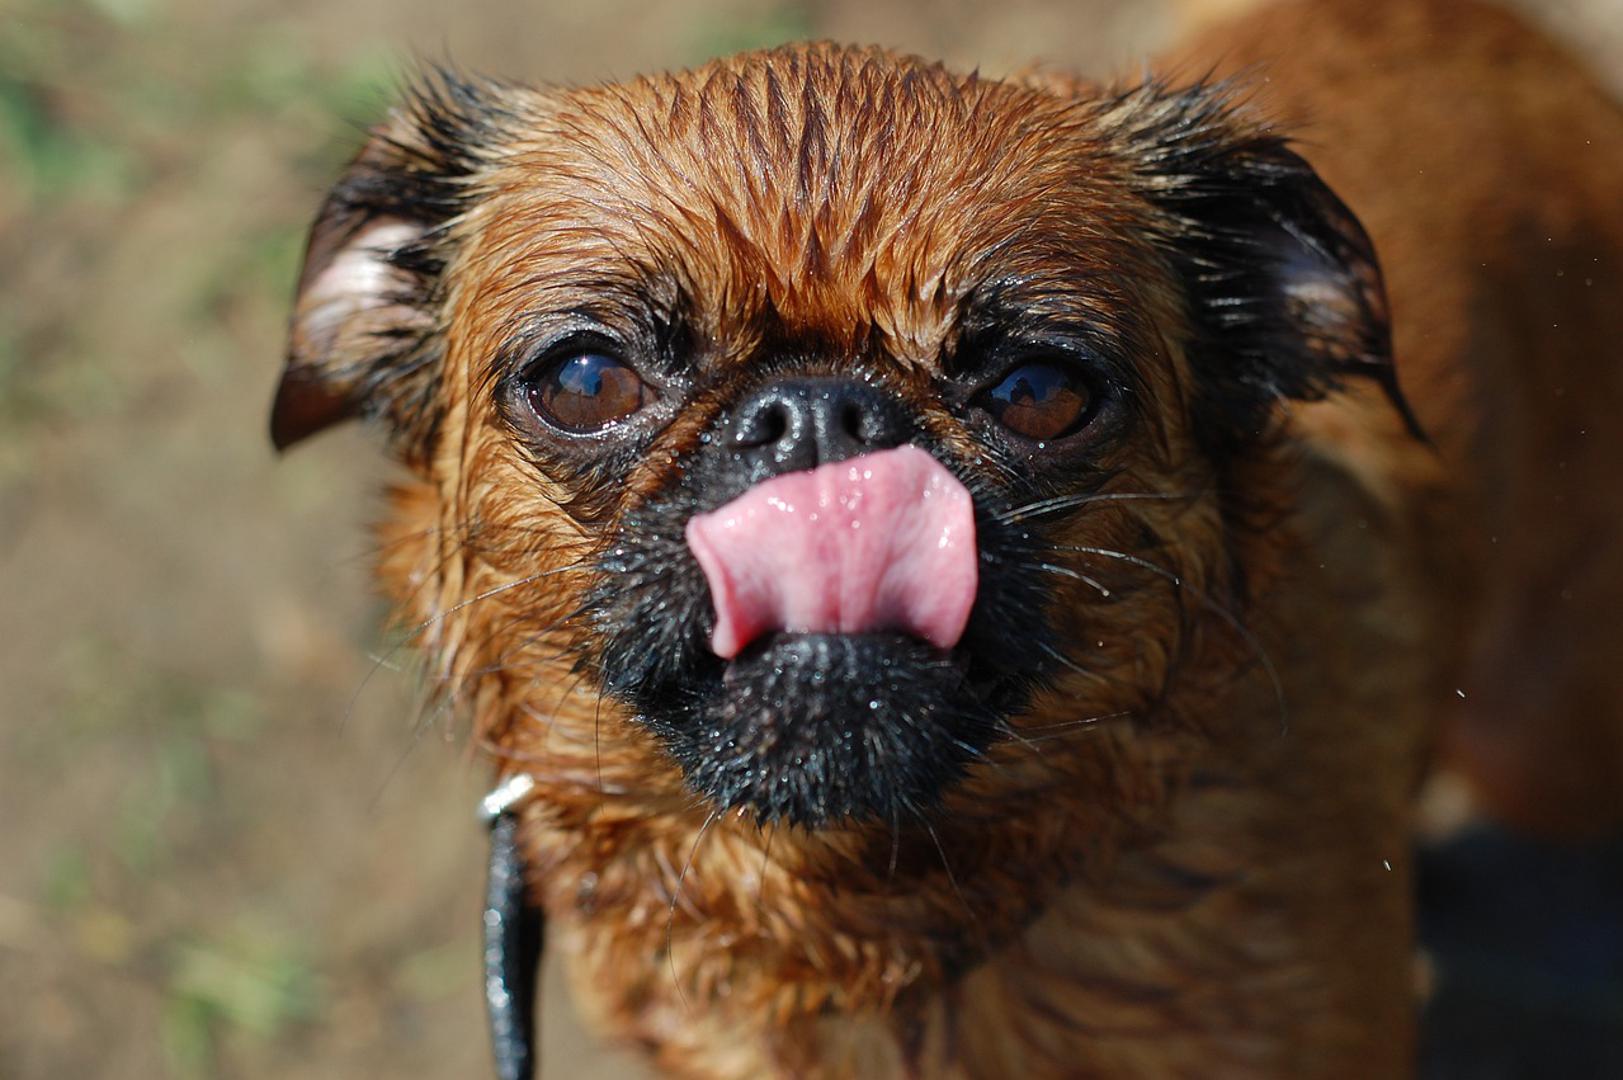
[(365, 338), (1284, 292)]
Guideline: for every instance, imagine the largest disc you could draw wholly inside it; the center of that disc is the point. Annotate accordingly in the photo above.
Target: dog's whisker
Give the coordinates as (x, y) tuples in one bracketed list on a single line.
[(444, 699), (597, 735), (895, 846), (501, 661), (1007, 730), (1083, 721), (676, 895), (973, 916), (1123, 556), (1066, 662), (464, 533), (766, 863), (373, 552), (384, 661), (560, 782), (385, 658), (1060, 503), (422, 627), (1076, 575), (419, 729), (1228, 617), (1086, 726)]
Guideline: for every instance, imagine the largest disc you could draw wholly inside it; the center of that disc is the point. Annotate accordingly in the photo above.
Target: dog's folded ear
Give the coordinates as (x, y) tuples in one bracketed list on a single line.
[(1285, 295), (365, 334)]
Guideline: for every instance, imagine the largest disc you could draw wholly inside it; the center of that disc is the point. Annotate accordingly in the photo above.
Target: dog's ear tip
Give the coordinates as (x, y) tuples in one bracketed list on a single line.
[(305, 404)]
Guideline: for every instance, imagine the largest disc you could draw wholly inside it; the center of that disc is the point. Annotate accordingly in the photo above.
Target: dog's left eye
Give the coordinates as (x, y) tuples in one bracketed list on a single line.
[(1040, 400), (586, 392)]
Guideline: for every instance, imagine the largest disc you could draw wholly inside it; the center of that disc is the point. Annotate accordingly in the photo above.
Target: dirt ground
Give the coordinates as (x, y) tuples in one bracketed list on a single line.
[(228, 847)]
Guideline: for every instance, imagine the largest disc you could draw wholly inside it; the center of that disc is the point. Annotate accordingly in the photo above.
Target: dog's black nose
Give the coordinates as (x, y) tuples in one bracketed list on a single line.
[(802, 423)]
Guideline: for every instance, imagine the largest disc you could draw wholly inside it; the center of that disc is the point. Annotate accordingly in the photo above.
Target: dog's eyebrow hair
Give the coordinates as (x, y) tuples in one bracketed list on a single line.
[(621, 310), (1018, 310)]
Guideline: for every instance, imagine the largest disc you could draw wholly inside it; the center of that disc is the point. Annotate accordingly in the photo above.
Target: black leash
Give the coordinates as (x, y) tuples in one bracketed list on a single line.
[(515, 931)]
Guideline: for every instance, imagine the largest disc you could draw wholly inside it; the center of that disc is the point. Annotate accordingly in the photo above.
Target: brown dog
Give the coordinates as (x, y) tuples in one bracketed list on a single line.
[(1094, 755)]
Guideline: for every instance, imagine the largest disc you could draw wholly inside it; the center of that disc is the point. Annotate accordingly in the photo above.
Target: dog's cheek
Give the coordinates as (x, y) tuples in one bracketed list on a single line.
[(407, 539), (1143, 568), (651, 605)]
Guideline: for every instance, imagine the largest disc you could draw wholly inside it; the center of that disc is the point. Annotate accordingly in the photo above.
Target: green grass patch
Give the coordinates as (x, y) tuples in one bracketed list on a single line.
[(50, 159), (253, 983), (719, 36)]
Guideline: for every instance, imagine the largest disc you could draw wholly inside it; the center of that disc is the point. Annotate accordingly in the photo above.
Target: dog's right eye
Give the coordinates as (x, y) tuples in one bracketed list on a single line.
[(586, 392)]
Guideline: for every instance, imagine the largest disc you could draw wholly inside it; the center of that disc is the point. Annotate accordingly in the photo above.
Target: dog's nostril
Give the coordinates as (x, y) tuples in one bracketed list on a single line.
[(775, 424), (765, 426), (852, 421)]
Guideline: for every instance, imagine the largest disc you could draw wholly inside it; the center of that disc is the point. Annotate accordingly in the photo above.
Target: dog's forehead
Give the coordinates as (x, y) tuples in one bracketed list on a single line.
[(846, 191)]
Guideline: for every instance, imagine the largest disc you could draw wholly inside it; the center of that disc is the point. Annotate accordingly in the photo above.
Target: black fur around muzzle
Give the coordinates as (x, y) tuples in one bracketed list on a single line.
[(813, 729)]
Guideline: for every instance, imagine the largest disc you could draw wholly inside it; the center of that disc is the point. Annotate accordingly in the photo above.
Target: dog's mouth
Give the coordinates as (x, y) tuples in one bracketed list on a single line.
[(882, 541), (831, 646), (821, 728)]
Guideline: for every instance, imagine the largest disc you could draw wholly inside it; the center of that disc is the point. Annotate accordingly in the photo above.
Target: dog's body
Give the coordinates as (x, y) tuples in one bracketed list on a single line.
[(1221, 615), (1483, 164)]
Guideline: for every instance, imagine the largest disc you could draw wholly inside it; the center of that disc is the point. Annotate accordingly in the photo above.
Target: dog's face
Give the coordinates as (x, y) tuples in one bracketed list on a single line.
[(611, 327)]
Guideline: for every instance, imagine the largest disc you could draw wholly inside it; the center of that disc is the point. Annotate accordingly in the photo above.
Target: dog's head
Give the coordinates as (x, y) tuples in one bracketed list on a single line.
[(821, 436)]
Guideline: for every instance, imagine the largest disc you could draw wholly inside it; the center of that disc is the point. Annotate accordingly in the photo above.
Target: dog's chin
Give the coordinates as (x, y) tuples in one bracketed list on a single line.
[(828, 729)]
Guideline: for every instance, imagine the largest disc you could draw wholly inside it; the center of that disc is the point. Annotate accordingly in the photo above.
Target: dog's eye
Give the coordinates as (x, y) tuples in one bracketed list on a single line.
[(1039, 400), (587, 392)]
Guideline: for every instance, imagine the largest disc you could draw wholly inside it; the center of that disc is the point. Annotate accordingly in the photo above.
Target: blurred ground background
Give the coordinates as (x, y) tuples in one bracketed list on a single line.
[(226, 847)]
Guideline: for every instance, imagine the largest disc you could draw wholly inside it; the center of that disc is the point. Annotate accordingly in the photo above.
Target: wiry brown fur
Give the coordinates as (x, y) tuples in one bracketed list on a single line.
[(1190, 856)]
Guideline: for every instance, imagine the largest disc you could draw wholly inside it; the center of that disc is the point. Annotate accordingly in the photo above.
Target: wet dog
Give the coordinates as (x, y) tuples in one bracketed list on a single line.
[(951, 557)]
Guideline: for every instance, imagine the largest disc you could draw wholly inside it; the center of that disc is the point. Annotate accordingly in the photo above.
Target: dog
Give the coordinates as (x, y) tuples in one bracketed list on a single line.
[(951, 559)]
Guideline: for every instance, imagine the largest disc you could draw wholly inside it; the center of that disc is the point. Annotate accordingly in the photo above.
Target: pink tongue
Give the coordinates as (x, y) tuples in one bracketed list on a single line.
[(884, 541)]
